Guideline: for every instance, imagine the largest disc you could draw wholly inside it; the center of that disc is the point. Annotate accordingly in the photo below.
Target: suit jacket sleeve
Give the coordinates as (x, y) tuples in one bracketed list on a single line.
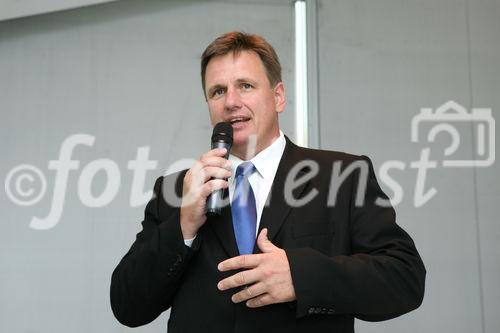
[(144, 282), (382, 278)]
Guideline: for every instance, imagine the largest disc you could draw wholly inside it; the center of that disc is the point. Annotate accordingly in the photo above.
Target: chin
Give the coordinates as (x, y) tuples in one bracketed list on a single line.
[(239, 143), (241, 147)]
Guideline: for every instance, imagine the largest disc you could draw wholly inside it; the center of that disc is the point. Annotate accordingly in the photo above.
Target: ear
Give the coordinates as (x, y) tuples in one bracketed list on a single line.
[(279, 97)]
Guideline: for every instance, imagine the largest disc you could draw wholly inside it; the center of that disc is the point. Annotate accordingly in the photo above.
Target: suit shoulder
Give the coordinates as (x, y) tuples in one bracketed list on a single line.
[(170, 184), (174, 176), (322, 155)]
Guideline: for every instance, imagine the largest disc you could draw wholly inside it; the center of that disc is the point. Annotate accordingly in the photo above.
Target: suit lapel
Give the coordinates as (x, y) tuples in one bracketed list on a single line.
[(277, 209)]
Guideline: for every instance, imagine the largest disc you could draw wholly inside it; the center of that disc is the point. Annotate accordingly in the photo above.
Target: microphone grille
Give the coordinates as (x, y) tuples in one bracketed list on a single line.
[(223, 131)]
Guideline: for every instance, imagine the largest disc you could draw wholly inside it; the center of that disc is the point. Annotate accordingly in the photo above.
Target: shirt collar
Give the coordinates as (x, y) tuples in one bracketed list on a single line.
[(266, 162)]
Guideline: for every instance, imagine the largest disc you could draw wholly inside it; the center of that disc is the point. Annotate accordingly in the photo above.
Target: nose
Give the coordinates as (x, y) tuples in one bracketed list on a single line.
[(233, 99)]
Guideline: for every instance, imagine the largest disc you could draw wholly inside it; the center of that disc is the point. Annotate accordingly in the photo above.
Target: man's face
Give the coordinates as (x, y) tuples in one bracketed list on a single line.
[(238, 91)]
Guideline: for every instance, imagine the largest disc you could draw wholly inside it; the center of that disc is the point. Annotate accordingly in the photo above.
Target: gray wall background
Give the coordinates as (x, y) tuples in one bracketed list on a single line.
[(10, 9), (127, 72)]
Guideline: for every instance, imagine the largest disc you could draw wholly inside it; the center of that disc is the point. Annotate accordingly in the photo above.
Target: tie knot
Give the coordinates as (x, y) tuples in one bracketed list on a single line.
[(245, 169)]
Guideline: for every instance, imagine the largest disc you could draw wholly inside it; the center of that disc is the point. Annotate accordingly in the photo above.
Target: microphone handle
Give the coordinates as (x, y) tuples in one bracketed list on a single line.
[(215, 199)]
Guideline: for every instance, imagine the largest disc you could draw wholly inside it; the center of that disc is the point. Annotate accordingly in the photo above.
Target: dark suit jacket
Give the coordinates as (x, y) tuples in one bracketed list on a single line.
[(346, 260)]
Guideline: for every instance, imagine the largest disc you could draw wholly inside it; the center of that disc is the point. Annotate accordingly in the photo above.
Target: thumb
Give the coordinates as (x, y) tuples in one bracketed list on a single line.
[(264, 243)]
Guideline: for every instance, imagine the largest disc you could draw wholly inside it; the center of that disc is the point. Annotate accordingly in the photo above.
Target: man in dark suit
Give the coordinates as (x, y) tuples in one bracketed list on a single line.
[(326, 247)]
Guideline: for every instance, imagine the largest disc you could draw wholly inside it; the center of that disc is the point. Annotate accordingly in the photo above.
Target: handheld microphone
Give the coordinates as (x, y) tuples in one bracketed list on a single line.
[(222, 137)]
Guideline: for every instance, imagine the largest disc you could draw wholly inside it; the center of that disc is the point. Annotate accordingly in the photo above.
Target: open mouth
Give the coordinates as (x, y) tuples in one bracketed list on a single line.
[(237, 121)]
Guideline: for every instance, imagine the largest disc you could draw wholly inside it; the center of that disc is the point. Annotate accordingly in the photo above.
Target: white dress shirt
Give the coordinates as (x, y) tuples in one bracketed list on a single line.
[(266, 163)]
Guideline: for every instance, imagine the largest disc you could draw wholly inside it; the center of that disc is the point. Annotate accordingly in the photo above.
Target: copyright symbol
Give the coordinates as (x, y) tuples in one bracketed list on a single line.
[(25, 185)]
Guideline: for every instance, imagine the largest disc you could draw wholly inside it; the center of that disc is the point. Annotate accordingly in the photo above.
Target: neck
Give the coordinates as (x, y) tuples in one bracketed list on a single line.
[(251, 149)]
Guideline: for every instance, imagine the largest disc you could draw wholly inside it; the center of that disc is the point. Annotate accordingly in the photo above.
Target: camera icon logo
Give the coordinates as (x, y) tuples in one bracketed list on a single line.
[(445, 117)]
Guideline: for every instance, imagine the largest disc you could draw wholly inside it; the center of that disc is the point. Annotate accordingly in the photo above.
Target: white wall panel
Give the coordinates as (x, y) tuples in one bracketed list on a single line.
[(10, 9)]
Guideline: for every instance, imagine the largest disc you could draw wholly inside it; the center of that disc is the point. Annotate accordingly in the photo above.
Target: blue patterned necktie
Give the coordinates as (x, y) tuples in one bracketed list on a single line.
[(243, 209)]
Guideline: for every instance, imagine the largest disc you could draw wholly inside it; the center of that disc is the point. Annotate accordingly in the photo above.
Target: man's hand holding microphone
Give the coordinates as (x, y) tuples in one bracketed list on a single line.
[(205, 182)]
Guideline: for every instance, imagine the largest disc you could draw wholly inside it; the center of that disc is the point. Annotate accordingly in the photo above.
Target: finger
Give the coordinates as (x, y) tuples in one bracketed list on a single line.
[(215, 160), (199, 176), (243, 261), (239, 279), (213, 185), (262, 300), (196, 167), (209, 172), (264, 244), (249, 292), (214, 157), (217, 152)]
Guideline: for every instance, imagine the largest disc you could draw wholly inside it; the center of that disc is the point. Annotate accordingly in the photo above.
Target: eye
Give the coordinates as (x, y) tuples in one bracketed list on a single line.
[(217, 92), (246, 86)]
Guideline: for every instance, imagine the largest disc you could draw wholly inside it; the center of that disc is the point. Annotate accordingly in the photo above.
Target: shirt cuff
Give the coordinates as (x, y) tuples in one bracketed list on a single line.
[(189, 242)]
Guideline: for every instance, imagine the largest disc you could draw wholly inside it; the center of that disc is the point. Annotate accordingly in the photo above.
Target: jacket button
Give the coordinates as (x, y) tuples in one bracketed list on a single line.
[(310, 311)]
